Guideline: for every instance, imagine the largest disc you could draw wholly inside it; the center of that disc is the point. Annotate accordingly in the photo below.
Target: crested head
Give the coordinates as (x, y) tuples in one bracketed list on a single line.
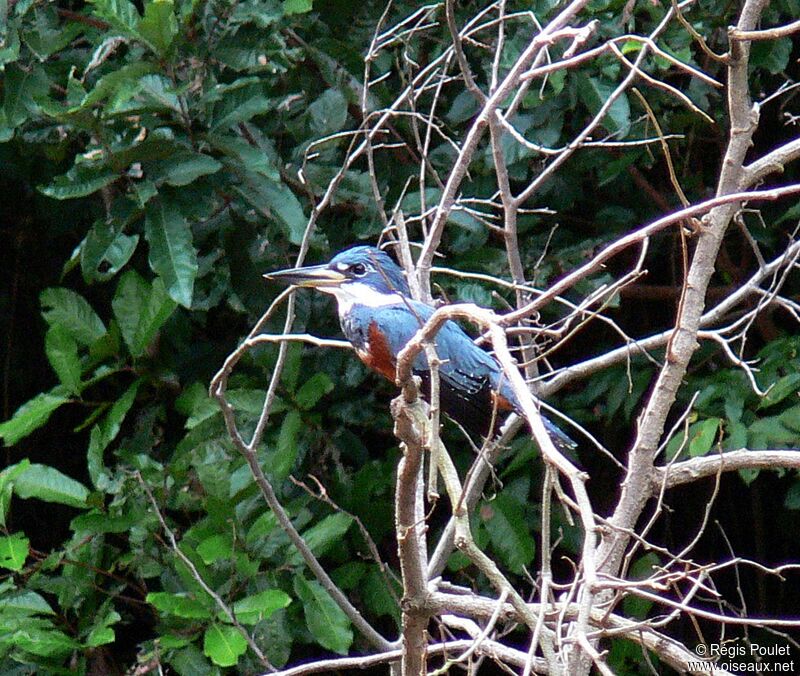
[(372, 267)]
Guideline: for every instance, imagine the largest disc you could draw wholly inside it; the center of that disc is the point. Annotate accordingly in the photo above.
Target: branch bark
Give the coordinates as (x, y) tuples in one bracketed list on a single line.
[(683, 342)]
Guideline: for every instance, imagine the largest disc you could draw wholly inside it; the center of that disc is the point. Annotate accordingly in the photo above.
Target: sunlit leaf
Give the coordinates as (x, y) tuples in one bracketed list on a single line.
[(50, 485), (27, 602), (215, 547), (44, 642), (224, 645), (7, 477), (13, 551), (32, 415), (183, 168), (297, 6), (102, 633), (702, 436), (178, 605), (252, 609)]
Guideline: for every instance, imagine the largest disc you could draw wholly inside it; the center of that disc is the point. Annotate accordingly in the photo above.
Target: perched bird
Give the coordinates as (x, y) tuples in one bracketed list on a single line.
[(379, 317)]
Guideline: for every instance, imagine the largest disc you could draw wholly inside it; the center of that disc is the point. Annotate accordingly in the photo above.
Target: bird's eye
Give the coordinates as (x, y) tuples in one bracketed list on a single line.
[(359, 269)]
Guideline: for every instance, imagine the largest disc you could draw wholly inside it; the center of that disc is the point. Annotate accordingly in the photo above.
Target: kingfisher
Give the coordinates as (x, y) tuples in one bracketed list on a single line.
[(379, 317)]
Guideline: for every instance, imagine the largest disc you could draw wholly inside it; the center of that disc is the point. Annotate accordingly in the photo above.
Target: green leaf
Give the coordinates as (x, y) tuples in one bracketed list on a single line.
[(275, 200), (313, 390), (190, 661), (239, 150), (13, 551), (321, 536), (328, 114), (43, 642), (72, 312), (252, 609), (773, 55), (121, 14), (106, 431), (62, 353), (196, 405), (183, 168), (215, 547), (9, 52), (702, 436), (20, 88), (792, 499), (100, 636), (774, 430), (47, 35), (297, 6), (102, 633), (118, 86), (252, 401), (734, 406), (377, 597), (506, 526), (158, 27), (261, 528), (172, 256), (113, 421), (790, 419), (325, 620), (7, 477), (594, 92), (179, 605), (31, 415), (785, 387), (282, 461), (224, 645), (241, 105), (27, 603), (140, 310), (737, 436), (159, 92), (48, 484), (80, 181), (104, 252), (642, 569)]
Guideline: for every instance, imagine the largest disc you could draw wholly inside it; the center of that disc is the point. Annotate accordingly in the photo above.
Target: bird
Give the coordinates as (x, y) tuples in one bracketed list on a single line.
[(379, 317)]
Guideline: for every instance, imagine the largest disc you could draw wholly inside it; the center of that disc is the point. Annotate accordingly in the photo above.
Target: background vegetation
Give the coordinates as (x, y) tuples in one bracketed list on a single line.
[(157, 158)]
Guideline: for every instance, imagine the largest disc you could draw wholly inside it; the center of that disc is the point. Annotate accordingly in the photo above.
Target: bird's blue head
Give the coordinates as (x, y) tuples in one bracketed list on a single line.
[(362, 275)]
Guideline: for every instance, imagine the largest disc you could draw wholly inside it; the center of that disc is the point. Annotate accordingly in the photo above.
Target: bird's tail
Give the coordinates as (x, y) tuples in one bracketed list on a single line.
[(560, 438)]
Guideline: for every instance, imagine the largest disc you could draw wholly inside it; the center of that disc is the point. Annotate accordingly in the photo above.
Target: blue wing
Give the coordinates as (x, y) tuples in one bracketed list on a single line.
[(469, 376)]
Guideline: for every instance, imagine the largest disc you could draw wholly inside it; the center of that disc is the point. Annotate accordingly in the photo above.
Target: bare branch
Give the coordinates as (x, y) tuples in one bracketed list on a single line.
[(767, 33), (694, 469)]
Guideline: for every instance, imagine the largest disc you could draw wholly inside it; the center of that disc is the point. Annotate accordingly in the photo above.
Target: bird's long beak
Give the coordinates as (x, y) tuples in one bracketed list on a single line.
[(313, 276)]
